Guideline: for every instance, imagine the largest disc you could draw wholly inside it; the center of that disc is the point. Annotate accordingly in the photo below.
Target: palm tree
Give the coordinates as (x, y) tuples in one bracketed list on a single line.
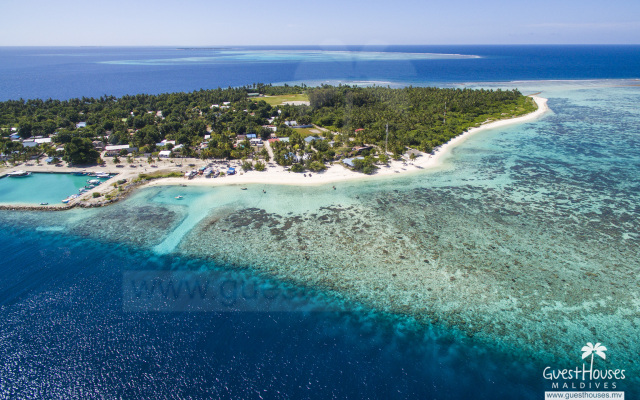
[(589, 349)]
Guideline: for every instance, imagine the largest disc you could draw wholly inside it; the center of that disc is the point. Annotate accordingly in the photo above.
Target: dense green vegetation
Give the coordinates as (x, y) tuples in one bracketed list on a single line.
[(421, 118), (355, 120)]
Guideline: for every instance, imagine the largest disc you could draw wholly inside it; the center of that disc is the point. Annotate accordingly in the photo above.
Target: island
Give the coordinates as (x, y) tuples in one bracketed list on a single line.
[(254, 134)]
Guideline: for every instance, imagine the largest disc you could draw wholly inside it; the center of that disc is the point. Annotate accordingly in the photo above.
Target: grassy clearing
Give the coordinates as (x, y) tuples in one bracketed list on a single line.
[(158, 175), (277, 100), (308, 132)]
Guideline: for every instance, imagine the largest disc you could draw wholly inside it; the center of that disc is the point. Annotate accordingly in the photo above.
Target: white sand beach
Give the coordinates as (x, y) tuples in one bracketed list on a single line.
[(274, 174), (277, 175)]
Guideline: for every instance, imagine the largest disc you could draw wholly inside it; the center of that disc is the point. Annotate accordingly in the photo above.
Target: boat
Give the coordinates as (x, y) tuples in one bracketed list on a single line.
[(102, 175), (179, 197), (68, 199), (18, 174), (244, 188), (93, 181), (44, 204), (79, 173)]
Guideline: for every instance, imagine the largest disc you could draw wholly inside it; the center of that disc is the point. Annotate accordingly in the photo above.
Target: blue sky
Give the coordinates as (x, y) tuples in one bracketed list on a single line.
[(331, 22)]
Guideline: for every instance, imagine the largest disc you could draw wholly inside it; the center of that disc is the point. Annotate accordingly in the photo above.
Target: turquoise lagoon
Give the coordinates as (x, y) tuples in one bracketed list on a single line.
[(39, 188), (511, 256)]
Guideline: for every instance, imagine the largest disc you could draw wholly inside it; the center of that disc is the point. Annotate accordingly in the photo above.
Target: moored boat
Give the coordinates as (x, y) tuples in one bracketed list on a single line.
[(18, 174)]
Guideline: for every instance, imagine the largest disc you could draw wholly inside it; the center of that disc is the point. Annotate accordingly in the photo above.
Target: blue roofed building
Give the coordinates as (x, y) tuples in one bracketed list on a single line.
[(349, 161)]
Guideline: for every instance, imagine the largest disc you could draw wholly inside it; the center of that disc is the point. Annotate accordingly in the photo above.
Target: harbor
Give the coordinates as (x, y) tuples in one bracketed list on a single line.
[(24, 188)]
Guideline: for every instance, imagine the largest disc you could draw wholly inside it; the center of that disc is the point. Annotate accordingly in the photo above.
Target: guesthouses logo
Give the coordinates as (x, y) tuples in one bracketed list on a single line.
[(585, 376)]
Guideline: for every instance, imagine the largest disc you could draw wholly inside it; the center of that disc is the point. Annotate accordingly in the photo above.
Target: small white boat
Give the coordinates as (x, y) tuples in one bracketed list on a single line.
[(102, 175), (179, 197), (94, 181), (18, 174)]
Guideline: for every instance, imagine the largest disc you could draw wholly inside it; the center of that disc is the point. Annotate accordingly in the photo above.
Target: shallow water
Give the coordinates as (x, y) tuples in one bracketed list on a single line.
[(41, 188), (513, 255)]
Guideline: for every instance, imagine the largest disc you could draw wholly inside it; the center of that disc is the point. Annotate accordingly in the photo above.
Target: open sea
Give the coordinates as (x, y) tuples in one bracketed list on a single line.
[(462, 282)]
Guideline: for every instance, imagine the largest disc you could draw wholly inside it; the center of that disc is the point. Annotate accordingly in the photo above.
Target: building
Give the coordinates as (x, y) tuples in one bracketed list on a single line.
[(256, 142), (42, 140), (310, 139), (81, 125), (112, 151), (251, 136), (29, 143), (349, 161), (271, 127), (166, 142), (164, 154)]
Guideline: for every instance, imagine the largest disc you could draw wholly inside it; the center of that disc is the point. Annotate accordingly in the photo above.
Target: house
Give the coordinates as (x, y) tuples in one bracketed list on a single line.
[(42, 140), (253, 94), (215, 106), (98, 145), (291, 123), (207, 137), (256, 142), (81, 125), (49, 160), (112, 151), (271, 127), (241, 137), (166, 142), (14, 136), (29, 143), (226, 103), (310, 139), (358, 150), (178, 148), (164, 154), (251, 136), (273, 140), (284, 139), (349, 161)]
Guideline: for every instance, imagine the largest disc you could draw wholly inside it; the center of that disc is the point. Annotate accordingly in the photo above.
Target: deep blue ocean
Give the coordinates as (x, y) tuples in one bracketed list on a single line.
[(63, 73), (70, 327)]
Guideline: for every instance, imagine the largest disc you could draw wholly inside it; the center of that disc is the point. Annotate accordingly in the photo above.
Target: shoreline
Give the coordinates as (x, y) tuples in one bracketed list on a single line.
[(274, 175)]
